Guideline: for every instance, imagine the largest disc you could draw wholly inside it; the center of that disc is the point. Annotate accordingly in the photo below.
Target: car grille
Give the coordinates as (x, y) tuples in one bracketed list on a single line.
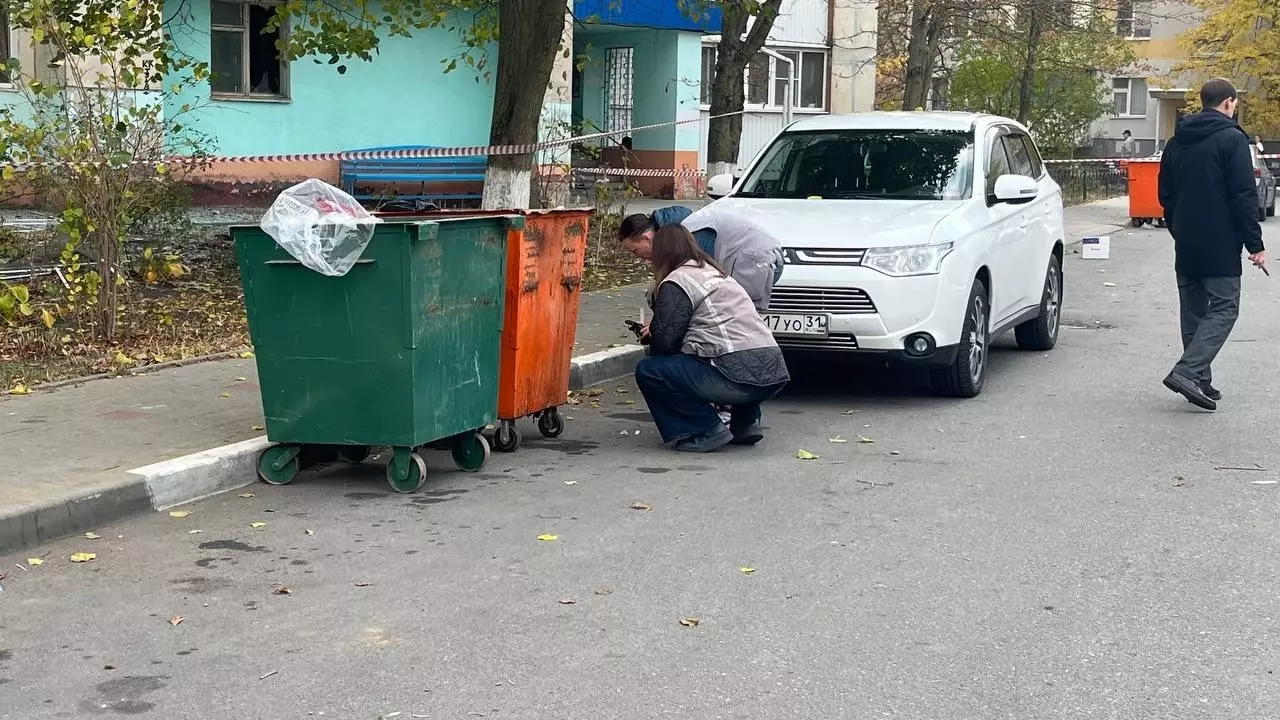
[(838, 301), (836, 341), (823, 256)]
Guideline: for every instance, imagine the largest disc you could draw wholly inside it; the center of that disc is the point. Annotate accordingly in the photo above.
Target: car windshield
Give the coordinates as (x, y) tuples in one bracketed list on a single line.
[(856, 164)]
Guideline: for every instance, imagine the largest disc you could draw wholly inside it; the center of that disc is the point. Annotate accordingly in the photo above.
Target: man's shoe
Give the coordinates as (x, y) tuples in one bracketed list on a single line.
[(749, 435), (1211, 392), (709, 442), (1189, 390)]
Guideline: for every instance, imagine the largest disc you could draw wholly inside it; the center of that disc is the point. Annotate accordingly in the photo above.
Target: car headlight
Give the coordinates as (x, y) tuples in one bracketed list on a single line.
[(906, 261)]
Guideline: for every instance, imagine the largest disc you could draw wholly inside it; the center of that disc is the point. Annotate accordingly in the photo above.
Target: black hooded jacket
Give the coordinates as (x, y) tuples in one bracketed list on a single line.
[(1209, 196)]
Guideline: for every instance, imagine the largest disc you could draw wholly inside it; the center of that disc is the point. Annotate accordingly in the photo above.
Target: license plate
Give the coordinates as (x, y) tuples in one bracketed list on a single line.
[(797, 325)]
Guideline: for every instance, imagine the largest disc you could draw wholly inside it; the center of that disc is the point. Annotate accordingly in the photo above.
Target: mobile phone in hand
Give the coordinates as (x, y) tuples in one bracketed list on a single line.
[(635, 327)]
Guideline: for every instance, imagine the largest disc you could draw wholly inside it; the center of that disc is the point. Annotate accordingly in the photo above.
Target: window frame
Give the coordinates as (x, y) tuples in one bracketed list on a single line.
[(1139, 19), (286, 84), (995, 139), (6, 81), (1128, 92), (773, 98)]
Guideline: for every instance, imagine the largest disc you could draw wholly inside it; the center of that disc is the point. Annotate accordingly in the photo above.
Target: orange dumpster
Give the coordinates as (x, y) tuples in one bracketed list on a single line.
[(1144, 192), (540, 318)]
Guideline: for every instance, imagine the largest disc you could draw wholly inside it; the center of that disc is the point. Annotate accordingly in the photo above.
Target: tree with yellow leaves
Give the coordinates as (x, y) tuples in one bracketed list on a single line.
[(1239, 40)]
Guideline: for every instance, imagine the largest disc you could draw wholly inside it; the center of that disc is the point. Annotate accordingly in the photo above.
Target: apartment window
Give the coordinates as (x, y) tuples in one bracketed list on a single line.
[(759, 73), (619, 90), (1129, 97), (245, 61), (766, 78), (708, 73), (1133, 19), (6, 33), (811, 72)]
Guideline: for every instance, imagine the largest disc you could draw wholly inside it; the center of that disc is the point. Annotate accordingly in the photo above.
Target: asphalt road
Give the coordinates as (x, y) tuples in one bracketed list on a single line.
[(1064, 546)]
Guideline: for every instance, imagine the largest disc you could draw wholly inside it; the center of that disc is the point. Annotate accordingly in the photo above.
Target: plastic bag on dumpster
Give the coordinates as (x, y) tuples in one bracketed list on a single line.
[(320, 225)]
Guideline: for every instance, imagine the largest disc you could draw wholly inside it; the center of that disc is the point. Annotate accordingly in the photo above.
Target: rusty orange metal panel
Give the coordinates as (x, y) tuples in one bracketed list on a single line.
[(544, 285), (1144, 190)]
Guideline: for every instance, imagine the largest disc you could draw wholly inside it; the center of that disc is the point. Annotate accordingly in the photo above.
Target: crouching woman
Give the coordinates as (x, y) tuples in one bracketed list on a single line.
[(708, 345)]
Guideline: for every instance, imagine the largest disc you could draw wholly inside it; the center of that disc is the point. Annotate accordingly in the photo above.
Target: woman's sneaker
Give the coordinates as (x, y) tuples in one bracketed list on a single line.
[(706, 443), (749, 435)]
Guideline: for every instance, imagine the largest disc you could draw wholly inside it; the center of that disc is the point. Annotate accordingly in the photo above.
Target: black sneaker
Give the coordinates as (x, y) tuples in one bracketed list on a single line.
[(1211, 392), (1187, 388)]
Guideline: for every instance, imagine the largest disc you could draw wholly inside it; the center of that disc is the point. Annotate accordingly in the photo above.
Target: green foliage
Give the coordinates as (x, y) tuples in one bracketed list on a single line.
[(93, 127), (15, 301), (1068, 92), (1239, 40)]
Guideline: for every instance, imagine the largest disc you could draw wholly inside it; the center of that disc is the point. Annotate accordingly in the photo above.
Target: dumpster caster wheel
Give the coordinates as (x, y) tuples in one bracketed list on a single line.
[(470, 451), (354, 454), (279, 464), (550, 424), (407, 472), (506, 437)]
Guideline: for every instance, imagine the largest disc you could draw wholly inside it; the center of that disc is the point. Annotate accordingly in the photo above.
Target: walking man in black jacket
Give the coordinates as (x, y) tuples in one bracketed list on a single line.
[(1211, 208)]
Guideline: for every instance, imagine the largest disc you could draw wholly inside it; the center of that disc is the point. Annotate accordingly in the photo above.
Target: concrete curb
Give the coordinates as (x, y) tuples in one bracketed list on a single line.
[(169, 483), (603, 366), (116, 496)]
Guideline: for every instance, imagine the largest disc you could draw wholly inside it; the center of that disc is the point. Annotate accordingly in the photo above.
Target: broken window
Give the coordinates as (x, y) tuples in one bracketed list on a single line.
[(245, 59)]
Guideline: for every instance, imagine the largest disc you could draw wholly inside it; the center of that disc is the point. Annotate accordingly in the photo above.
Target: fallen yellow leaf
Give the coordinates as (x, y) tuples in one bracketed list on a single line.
[(176, 620), (246, 355), (256, 427), (257, 524), (362, 583), (690, 622), (20, 389), (838, 439), (641, 506), (865, 440), (283, 591), (805, 455), (568, 601), (83, 557), (122, 359), (34, 561), (92, 536), (179, 513), (548, 538), (47, 318), (241, 379), (194, 532), (747, 570), (246, 495), (226, 395)]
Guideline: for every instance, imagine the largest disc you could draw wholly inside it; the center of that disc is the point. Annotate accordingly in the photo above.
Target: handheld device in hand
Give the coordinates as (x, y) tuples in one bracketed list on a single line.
[(635, 327), (1264, 270)]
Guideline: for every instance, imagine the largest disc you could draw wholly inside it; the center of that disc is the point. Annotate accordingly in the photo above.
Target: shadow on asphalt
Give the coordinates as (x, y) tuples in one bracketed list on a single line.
[(830, 376)]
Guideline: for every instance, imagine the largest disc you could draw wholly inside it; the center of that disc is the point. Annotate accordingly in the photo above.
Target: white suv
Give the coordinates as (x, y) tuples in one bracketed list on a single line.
[(913, 236)]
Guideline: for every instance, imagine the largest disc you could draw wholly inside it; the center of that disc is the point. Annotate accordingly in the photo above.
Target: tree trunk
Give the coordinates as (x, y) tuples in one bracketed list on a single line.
[(1027, 81), (529, 35), (928, 21), (727, 93)]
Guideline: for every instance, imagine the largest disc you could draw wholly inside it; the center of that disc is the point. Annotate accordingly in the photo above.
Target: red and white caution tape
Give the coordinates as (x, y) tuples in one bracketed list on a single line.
[(396, 154)]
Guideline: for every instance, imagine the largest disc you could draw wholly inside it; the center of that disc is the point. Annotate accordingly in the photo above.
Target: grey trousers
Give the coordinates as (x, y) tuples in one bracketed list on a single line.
[(1209, 308)]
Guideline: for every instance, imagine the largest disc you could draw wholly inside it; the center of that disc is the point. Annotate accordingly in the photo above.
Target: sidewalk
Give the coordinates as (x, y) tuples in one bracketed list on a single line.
[(77, 456)]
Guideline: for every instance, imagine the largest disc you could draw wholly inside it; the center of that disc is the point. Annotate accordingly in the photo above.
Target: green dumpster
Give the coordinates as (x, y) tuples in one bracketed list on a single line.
[(400, 352)]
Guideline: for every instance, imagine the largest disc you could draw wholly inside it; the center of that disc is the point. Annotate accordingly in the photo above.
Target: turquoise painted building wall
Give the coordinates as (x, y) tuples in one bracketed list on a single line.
[(666, 75), (402, 97)]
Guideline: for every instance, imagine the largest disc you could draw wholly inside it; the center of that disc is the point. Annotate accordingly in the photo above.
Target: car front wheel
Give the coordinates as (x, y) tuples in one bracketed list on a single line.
[(965, 377), (1041, 332)]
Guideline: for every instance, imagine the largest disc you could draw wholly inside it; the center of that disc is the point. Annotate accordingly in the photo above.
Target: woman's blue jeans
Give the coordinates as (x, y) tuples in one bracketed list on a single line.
[(680, 390)]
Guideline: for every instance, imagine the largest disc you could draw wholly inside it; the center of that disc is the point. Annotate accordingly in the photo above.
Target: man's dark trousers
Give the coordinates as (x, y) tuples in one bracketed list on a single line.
[(1209, 308)]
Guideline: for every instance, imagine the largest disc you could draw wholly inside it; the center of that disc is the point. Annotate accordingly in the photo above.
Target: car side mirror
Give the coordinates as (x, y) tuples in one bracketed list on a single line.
[(1015, 189), (719, 185)]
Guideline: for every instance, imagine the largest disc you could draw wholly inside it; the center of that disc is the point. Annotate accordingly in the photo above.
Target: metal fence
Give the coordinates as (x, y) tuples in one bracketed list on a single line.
[(1085, 181)]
